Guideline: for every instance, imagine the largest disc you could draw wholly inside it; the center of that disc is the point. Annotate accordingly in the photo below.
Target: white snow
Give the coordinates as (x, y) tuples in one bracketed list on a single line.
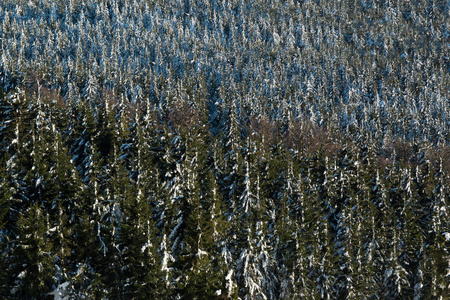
[(229, 281), (447, 236), (22, 274), (147, 245), (60, 293), (388, 273), (276, 38), (201, 253)]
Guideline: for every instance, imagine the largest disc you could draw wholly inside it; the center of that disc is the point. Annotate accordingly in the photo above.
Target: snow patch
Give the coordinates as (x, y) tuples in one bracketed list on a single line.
[(447, 236), (388, 273), (201, 253), (229, 280), (22, 274), (60, 293), (147, 245)]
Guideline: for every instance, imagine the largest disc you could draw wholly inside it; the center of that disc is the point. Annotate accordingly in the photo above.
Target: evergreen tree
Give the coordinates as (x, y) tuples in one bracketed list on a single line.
[(141, 272), (33, 268), (66, 196), (5, 199), (90, 236), (438, 260)]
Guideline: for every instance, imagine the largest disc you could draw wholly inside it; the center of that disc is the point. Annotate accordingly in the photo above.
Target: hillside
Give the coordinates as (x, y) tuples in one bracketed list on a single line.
[(225, 149)]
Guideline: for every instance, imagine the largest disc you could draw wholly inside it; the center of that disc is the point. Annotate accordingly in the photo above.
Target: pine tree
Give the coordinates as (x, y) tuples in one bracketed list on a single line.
[(286, 222), (33, 268), (221, 227), (255, 267), (438, 266), (414, 237), (303, 282), (200, 279), (90, 235), (317, 241), (349, 244), (5, 198), (395, 276), (141, 272), (66, 196), (80, 132)]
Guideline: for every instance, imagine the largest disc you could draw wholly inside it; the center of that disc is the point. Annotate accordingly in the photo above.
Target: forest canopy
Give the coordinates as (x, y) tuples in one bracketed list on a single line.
[(225, 149)]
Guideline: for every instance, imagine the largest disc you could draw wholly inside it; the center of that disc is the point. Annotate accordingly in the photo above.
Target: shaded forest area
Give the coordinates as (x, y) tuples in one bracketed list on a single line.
[(225, 149)]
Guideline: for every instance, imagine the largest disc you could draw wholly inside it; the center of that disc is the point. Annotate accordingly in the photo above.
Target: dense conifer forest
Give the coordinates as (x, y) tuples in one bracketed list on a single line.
[(224, 149)]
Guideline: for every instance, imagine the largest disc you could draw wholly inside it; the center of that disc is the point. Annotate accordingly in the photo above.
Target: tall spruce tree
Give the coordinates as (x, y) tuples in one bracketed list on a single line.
[(5, 198), (33, 269)]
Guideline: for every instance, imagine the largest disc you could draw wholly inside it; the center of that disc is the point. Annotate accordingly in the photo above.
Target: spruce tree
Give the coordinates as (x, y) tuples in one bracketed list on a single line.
[(5, 198), (437, 262), (33, 266)]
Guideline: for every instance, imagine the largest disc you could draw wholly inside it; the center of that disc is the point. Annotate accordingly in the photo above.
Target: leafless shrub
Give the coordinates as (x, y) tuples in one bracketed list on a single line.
[(311, 138), (264, 129), (183, 116)]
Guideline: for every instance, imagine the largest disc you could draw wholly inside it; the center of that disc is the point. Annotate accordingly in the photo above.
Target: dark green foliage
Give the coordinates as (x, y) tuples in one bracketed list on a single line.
[(159, 215), (32, 270), (5, 197)]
